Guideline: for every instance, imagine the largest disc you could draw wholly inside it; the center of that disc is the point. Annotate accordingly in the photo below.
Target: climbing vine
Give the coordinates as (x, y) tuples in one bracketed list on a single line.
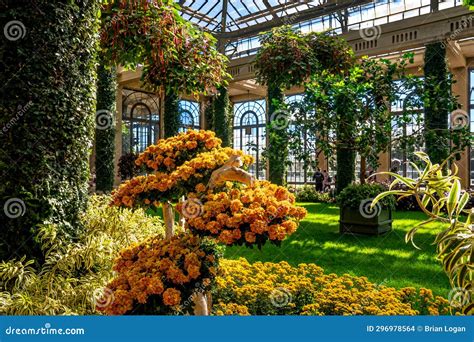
[(105, 128)]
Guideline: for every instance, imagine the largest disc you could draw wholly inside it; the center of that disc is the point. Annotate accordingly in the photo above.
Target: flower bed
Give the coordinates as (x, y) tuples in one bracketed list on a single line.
[(280, 289)]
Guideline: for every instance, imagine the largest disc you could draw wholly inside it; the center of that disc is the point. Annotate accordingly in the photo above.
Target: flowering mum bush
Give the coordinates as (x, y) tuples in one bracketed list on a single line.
[(158, 187), (246, 215), (172, 152), (161, 276), (280, 289)]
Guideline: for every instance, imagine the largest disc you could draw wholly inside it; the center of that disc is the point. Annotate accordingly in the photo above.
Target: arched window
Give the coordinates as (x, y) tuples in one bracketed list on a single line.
[(400, 155), (189, 115), (250, 132), (296, 171), (140, 114)]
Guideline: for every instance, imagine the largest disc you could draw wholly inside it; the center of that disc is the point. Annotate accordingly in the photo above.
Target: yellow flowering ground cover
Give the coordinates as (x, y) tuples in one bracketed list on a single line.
[(280, 289)]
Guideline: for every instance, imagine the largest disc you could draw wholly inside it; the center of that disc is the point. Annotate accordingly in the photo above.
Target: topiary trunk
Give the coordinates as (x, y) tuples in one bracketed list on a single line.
[(222, 117), (105, 128), (437, 108), (171, 118), (277, 152), (48, 86)]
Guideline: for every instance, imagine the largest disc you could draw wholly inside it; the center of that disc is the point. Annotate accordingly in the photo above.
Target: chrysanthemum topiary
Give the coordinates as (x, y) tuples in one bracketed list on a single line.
[(245, 215), (161, 276), (158, 187), (223, 201)]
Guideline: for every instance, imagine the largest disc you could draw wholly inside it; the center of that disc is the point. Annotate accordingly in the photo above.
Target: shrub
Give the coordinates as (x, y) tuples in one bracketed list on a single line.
[(278, 288), (73, 275), (354, 194), (308, 193)]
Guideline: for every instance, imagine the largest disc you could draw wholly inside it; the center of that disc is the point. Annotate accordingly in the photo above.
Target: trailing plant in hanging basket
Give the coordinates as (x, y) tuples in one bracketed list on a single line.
[(176, 56)]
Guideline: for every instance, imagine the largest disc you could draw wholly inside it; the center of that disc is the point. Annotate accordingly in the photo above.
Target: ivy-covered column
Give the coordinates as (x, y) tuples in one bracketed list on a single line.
[(437, 107), (47, 111), (171, 119), (345, 133), (209, 114), (222, 117), (105, 128), (277, 134)]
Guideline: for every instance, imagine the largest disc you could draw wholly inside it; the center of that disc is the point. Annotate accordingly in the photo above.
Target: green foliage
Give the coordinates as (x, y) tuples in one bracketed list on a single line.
[(287, 57), (330, 52), (350, 111), (50, 74), (277, 152), (438, 102), (176, 55), (209, 115), (73, 275), (283, 58), (308, 193), (222, 116), (436, 190), (468, 3), (105, 131), (354, 194), (171, 119)]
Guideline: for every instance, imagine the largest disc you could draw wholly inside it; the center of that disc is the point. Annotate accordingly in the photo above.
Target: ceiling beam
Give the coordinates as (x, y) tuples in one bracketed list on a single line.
[(311, 13), (222, 42)]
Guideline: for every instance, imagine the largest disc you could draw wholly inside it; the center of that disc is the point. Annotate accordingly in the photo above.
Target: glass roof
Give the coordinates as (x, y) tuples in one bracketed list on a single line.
[(238, 23), (234, 15)]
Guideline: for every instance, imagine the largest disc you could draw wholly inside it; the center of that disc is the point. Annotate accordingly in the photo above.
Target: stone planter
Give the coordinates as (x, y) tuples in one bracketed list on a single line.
[(353, 222)]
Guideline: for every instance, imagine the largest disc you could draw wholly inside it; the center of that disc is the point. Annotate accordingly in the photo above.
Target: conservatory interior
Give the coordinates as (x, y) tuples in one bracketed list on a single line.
[(249, 157)]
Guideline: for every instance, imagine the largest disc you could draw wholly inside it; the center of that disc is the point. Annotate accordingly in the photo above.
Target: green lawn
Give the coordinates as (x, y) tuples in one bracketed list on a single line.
[(384, 260)]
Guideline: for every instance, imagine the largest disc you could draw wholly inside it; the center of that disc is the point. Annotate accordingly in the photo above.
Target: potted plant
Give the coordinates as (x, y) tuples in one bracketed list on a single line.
[(358, 217)]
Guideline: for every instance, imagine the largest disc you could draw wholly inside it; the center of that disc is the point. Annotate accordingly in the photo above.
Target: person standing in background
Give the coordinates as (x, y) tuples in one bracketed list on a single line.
[(318, 179), (326, 181)]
